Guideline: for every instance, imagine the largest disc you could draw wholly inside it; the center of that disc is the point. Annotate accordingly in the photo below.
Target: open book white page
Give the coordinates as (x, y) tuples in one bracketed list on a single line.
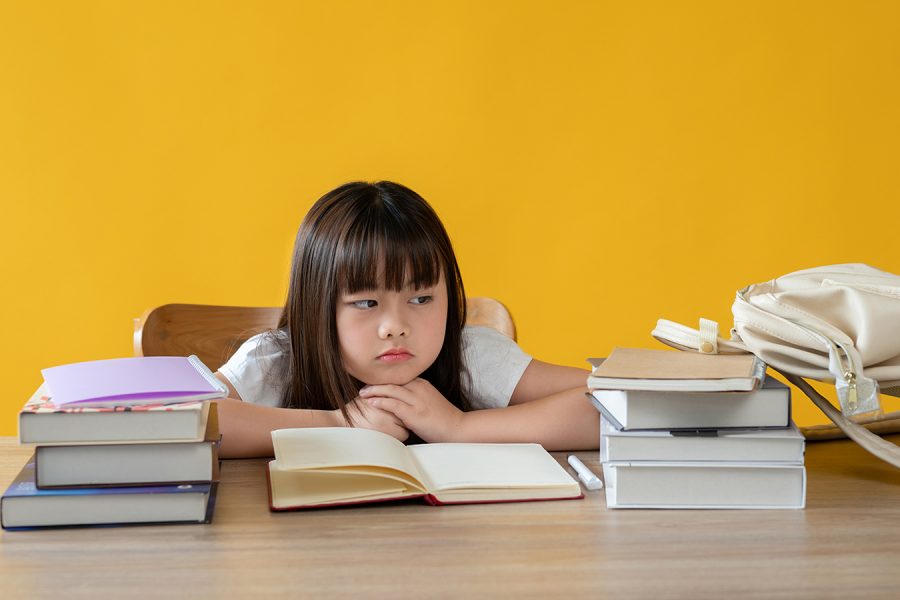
[(344, 449), (332, 486), (489, 466)]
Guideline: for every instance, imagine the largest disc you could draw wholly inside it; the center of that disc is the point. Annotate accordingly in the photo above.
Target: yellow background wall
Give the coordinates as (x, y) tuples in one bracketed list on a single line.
[(598, 164)]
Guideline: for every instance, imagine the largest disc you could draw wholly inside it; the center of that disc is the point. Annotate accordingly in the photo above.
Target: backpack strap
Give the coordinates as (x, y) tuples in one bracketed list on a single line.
[(870, 442)]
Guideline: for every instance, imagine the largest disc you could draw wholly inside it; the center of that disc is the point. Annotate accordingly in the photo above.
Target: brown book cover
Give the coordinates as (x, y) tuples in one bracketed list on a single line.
[(641, 368)]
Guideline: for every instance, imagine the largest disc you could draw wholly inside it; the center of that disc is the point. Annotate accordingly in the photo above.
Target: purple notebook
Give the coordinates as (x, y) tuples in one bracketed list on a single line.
[(132, 381)]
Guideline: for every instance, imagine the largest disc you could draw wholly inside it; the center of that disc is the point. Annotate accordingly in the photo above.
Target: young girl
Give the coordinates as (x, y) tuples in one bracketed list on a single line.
[(373, 335)]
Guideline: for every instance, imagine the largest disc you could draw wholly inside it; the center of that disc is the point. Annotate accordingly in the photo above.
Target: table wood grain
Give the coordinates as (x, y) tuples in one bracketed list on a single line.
[(845, 544)]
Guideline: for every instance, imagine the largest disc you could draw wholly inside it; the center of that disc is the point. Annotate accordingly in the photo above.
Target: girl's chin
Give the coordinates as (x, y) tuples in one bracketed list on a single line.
[(394, 381), (394, 376), (390, 379)]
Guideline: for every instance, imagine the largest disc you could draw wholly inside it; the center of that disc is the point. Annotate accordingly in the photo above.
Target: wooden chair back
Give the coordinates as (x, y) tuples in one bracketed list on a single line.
[(213, 333)]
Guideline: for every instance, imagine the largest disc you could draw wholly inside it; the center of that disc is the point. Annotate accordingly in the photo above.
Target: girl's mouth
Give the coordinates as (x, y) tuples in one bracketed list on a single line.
[(395, 355)]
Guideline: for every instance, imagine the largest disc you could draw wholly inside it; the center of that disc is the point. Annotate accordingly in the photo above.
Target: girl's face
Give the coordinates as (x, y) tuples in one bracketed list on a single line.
[(389, 337)]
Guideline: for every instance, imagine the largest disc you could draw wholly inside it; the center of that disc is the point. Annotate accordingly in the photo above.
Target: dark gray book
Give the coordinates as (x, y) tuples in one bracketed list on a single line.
[(24, 505)]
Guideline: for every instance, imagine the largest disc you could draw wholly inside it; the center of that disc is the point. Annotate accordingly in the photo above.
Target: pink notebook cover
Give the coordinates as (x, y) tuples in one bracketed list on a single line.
[(132, 381)]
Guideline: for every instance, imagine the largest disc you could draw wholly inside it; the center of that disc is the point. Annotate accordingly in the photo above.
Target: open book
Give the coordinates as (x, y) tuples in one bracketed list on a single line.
[(330, 466)]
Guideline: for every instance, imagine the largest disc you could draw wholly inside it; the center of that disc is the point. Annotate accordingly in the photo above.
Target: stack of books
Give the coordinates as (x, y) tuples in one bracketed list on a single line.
[(121, 441), (689, 430)]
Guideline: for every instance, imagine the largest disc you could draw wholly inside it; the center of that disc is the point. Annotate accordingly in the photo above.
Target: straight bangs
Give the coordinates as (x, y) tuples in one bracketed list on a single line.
[(383, 252)]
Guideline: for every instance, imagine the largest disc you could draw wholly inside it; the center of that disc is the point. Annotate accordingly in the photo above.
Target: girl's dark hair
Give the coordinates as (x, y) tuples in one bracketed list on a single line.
[(343, 239)]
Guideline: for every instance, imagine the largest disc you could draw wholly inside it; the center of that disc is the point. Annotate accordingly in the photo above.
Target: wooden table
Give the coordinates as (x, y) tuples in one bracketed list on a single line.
[(846, 544)]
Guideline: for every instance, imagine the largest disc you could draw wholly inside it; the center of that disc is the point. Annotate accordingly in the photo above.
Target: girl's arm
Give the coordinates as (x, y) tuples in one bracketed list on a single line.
[(548, 407), (247, 428), (562, 421), (542, 379)]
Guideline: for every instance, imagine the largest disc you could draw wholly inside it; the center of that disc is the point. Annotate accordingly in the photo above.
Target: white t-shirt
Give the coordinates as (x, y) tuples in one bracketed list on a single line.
[(494, 361)]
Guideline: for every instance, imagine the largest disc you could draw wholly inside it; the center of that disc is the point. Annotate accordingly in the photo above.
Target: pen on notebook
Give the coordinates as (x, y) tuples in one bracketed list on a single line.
[(587, 477)]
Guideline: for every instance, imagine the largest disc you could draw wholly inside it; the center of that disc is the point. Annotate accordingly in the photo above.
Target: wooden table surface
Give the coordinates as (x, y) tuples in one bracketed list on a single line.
[(846, 544)]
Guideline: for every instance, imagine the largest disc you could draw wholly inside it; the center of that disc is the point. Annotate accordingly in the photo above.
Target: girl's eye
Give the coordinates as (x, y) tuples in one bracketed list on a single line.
[(365, 303), (421, 300)]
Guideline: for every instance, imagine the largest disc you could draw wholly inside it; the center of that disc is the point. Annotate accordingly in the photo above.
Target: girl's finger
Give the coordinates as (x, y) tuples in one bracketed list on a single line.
[(386, 391), (394, 406), (386, 415)]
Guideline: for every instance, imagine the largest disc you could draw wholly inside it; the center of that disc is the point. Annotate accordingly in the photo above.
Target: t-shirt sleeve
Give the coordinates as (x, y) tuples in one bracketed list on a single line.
[(495, 364), (249, 370)]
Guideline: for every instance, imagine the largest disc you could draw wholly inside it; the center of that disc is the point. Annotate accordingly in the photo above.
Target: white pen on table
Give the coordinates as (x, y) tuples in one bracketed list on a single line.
[(587, 477)]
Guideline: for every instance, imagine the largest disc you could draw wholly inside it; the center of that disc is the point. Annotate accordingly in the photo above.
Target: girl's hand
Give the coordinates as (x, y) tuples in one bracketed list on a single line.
[(369, 417), (419, 406)]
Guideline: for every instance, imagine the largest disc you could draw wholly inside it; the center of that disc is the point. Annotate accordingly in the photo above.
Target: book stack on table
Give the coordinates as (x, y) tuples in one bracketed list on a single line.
[(690, 430), (121, 441)]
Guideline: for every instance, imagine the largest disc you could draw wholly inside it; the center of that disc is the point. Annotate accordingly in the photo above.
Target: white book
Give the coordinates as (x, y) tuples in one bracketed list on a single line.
[(43, 422), (126, 464), (765, 445), (704, 485), (118, 464), (768, 406)]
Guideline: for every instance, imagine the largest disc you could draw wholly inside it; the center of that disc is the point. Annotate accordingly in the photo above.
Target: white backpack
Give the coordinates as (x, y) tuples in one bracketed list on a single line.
[(838, 323)]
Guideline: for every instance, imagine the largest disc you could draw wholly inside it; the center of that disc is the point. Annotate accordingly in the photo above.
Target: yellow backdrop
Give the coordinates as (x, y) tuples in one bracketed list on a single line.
[(598, 164)]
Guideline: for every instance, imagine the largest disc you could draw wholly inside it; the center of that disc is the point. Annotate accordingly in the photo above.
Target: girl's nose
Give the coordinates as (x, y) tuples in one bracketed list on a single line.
[(392, 326)]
